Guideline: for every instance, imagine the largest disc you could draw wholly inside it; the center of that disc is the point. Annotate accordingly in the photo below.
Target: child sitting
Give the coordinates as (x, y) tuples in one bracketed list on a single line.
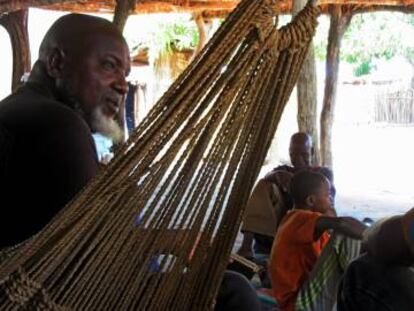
[(300, 240)]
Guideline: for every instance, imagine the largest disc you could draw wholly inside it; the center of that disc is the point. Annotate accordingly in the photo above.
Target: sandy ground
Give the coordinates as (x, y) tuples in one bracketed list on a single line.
[(373, 163), (373, 169)]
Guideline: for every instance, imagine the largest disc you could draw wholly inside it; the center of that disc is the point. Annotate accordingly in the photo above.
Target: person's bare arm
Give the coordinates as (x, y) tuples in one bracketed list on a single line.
[(385, 242), (347, 226)]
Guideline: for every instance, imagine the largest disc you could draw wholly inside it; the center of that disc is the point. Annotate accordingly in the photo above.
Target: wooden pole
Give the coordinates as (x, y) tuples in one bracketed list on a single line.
[(16, 5), (213, 9), (307, 93), (339, 23), (16, 25), (122, 10), (201, 27)]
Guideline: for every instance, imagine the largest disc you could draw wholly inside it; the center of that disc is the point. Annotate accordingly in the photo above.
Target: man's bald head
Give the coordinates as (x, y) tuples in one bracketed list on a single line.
[(71, 32), (300, 149), (85, 60), (301, 138)]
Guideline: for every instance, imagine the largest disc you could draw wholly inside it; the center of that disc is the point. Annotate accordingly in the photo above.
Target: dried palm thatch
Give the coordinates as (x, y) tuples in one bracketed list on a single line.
[(209, 7), (170, 64), (140, 57)]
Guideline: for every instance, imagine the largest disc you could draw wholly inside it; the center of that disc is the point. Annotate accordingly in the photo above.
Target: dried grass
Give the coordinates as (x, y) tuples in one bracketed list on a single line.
[(177, 6), (170, 65)]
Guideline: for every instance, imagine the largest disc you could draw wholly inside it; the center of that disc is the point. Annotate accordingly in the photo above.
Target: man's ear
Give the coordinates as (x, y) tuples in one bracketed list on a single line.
[(55, 63)]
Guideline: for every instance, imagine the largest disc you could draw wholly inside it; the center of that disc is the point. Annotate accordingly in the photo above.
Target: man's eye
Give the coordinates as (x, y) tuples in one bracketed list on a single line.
[(108, 65)]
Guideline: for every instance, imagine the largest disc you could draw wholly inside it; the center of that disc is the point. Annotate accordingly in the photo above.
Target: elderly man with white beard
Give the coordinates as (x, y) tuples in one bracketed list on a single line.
[(47, 154)]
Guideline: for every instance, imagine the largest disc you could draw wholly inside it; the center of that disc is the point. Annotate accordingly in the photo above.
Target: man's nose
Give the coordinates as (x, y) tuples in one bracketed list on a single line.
[(121, 85)]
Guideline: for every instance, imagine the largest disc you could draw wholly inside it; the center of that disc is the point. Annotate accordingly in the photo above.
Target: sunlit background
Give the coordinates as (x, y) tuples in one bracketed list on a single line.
[(373, 150)]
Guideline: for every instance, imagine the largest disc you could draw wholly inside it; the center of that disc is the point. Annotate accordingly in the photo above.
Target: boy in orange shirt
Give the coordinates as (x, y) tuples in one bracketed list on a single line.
[(301, 238)]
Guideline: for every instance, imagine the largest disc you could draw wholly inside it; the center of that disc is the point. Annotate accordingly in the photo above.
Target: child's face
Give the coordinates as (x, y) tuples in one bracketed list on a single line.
[(322, 198)]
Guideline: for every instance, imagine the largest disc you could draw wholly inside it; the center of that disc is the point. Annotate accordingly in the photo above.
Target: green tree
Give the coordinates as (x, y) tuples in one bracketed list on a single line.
[(371, 36)]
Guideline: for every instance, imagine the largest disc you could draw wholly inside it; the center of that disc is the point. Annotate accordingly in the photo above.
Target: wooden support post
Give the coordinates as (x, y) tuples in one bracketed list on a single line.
[(16, 25), (199, 20), (339, 23), (307, 93), (122, 10)]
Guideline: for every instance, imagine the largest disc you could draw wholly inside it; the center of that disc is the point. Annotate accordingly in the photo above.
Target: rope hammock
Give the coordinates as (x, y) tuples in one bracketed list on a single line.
[(155, 229)]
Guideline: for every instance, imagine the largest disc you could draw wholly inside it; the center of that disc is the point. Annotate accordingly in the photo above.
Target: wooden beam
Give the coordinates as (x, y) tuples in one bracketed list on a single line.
[(16, 5), (368, 2), (16, 25), (339, 23), (223, 7), (122, 10), (355, 9), (141, 7), (307, 93), (209, 15), (202, 35), (378, 8)]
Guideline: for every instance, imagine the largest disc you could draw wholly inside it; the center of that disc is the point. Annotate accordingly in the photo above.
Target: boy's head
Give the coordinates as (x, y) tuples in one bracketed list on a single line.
[(311, 190)]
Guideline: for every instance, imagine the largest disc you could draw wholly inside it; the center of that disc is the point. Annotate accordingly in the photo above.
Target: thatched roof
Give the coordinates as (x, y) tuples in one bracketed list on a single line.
[(212, 7)]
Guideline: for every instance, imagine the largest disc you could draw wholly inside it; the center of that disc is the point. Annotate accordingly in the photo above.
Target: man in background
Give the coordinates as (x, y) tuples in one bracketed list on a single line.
[(270, 199)]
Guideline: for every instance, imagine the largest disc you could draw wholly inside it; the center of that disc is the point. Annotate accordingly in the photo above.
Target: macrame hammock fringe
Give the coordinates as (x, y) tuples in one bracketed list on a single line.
[(155, 229)]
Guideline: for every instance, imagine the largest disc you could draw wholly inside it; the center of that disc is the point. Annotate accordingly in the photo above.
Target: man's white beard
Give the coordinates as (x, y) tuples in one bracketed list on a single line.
[(106, 126)]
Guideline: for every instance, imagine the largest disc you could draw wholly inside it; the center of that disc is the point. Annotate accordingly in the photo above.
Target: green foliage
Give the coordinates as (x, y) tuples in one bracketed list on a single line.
[(320, 51), (410, 19), (321, 38), (369, 37), (163, 33), (409, 54), (363, 68), (179, 33)]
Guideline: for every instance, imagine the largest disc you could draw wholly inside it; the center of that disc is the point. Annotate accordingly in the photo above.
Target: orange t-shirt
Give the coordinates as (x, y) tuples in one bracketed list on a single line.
[(294, 253)]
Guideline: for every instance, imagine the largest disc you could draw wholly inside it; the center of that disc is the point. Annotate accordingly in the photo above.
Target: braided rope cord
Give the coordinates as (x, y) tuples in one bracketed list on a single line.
[(155, 229)]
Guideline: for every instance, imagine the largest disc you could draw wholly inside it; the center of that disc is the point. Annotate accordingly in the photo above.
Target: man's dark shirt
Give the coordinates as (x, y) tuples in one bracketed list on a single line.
[(47, 155)]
